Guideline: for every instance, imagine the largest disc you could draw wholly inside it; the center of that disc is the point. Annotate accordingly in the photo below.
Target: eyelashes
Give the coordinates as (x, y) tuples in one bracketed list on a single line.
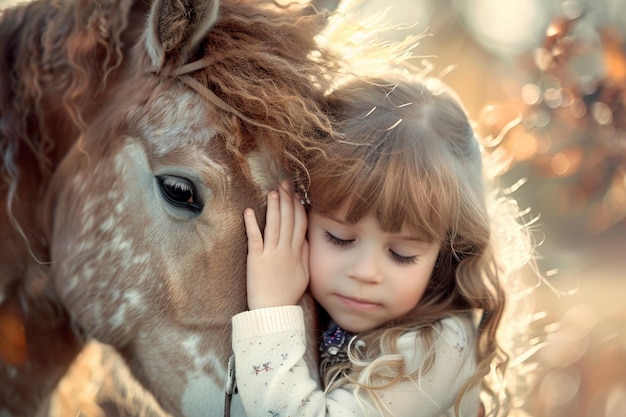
[(342, 243), (402, 260), (334, 240)]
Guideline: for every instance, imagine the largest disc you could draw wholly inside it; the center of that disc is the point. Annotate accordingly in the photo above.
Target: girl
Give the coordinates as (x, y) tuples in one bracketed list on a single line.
[(402, 256)]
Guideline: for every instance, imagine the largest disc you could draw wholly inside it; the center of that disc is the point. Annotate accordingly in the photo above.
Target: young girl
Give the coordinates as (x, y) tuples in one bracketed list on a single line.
[(402, 255)]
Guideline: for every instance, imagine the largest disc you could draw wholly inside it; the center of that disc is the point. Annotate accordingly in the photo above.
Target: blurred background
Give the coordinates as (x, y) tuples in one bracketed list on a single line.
[(545, 81)]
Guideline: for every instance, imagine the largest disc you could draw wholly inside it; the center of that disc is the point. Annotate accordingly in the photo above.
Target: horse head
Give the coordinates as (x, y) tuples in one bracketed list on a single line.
[(131, 231)]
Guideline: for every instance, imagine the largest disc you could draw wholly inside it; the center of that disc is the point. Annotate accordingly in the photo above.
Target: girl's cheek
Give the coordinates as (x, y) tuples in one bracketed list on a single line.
[(322, 264)]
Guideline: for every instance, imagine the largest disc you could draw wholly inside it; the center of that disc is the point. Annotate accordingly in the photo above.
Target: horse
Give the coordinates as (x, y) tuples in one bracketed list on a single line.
[(133, 134)]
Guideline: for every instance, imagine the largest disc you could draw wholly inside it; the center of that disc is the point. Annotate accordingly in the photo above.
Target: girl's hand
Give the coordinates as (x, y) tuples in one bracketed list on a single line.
[(278, 262)]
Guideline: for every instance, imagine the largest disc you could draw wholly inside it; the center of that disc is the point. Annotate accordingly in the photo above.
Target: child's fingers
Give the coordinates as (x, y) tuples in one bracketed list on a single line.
[(255, 239), (272, 220)]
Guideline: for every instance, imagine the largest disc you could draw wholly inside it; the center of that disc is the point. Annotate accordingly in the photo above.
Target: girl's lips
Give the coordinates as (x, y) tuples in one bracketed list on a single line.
[(358, 304)]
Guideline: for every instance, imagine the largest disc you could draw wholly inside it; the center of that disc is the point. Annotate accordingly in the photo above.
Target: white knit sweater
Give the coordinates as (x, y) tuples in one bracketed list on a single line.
[(273, 379)]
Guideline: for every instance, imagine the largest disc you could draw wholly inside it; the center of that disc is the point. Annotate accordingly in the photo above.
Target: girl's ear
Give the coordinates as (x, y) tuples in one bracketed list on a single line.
[(176, 27)]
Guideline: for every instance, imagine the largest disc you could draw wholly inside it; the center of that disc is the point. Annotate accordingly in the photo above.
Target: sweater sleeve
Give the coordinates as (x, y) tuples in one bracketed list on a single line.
[(273, 379)]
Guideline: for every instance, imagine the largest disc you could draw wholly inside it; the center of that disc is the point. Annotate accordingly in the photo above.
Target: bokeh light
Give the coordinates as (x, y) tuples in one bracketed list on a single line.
[(506, 27)]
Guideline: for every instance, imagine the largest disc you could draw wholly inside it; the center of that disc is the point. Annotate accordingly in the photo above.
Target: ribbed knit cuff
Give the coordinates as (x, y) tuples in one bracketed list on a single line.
[(263, 321)]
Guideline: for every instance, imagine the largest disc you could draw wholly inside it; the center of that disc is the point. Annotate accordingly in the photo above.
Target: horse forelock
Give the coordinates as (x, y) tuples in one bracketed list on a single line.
[(256, 70)]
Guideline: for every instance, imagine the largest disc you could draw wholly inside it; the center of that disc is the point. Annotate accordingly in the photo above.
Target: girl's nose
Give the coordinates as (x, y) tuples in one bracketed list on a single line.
[(366, 268)]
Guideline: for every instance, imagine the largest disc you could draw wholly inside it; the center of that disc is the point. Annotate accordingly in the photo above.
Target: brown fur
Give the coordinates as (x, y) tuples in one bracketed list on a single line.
[(72, 90)]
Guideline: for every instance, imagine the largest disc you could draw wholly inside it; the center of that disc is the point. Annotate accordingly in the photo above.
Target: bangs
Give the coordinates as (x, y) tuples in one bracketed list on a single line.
[(400, 187), (405, 155)]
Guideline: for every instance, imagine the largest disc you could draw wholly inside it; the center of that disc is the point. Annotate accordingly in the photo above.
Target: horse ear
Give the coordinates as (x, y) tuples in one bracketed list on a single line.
[(264, 171), (176, 27)]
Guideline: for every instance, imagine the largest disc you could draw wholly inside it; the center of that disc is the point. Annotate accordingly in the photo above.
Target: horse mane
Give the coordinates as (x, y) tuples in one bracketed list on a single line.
[(51, 48), (261, 76), (56, 58)]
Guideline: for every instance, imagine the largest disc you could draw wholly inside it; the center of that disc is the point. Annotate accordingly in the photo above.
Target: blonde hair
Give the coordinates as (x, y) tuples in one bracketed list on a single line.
[(406, 153)]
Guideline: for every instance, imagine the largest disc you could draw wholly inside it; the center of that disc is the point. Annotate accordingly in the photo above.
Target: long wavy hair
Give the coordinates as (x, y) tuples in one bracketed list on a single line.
[(406, 153)]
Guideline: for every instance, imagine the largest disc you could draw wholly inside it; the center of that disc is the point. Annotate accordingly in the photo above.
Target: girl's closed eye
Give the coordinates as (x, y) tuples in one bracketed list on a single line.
[(334, 240), (402, 260)]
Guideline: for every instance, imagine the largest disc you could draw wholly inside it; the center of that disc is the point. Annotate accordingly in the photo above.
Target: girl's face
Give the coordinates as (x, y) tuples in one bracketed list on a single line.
[(363, 276)]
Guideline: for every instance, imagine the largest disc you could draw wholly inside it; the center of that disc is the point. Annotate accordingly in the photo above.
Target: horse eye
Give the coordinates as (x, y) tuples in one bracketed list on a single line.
[(179, 192)]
